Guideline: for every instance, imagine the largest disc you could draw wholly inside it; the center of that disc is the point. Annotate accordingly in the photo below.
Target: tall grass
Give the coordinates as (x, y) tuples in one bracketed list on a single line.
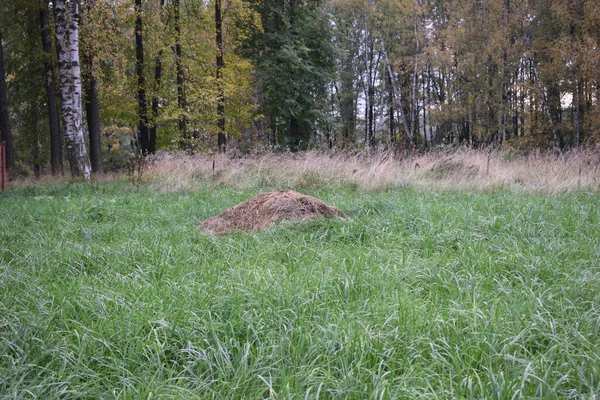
[(463, 169), (112, 291), (459, 169)]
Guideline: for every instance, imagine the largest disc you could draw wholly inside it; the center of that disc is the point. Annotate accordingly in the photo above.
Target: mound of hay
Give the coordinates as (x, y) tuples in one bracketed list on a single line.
[(266, 209)]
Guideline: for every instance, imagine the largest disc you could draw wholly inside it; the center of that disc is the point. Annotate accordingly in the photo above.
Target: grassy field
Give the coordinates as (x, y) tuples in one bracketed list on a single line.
[(111, 291)]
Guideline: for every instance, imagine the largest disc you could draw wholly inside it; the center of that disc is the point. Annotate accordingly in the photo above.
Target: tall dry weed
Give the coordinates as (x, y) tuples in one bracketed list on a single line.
[(463, 169)]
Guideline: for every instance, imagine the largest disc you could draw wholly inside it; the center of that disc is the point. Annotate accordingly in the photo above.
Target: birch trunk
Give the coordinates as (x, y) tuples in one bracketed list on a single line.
[(67, 41)]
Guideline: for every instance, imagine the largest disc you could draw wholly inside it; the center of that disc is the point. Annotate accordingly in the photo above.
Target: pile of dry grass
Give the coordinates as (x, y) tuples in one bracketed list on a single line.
[(266, 209)]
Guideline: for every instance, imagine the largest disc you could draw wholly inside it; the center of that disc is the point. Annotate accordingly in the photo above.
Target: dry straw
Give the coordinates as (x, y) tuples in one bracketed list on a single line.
[(266, 209), (459, 170), (462, 169)]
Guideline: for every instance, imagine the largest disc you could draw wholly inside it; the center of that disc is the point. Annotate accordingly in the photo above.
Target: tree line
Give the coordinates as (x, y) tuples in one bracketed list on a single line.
[(93, 81)]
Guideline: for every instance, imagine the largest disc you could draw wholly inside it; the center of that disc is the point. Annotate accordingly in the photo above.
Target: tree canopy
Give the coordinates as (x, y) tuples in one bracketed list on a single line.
[(235, 75)]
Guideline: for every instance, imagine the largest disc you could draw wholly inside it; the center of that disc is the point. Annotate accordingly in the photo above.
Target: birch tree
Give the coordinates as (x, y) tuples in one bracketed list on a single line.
[(67, 41)]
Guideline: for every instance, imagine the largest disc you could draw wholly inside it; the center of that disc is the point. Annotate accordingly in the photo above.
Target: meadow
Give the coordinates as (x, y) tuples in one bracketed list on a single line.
[(464, 290)]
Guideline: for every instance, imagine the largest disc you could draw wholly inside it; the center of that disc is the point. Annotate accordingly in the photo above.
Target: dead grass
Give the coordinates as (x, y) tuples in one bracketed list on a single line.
[(49, 179), (266, 209), (463, 170)]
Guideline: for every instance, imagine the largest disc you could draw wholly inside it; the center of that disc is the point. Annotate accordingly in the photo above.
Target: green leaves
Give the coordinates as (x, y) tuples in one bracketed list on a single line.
[(294, 66)]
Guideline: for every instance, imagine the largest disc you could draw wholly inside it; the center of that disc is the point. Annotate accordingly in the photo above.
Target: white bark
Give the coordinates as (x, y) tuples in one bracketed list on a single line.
[(67, 40)]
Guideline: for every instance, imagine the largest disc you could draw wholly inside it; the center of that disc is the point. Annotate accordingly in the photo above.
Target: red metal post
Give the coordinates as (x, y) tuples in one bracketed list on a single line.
[(3, 165)]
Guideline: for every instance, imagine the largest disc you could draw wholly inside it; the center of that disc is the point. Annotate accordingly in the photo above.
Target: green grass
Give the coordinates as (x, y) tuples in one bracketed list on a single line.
[(112, 292)]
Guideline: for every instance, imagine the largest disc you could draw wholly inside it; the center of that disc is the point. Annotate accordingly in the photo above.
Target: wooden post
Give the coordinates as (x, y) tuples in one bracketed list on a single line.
[(3, 166)]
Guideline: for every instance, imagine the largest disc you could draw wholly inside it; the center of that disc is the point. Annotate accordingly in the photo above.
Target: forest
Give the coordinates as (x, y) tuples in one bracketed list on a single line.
[(87, 84)]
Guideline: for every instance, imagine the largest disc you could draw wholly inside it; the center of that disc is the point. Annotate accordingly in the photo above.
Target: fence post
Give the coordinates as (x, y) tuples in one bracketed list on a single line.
[(3, 166)]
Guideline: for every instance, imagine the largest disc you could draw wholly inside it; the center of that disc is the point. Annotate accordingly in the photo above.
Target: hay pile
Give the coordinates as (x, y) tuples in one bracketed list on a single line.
[(266, 209)]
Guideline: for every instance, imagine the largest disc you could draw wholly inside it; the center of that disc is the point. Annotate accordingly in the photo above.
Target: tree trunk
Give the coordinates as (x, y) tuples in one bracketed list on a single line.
[(156, 87), (371, 70), (294, 134), (409, 135), (522, 96), (427, 122), (181, 100), (536, 77), (67, 40), (347, 99), (502, 123), (370, 140), (5, 132), (222, 138), (414, 101), (92, 104), (391, 111), (157, 81), (50, 83), (578, 115), (92, 107), (143, 124)]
